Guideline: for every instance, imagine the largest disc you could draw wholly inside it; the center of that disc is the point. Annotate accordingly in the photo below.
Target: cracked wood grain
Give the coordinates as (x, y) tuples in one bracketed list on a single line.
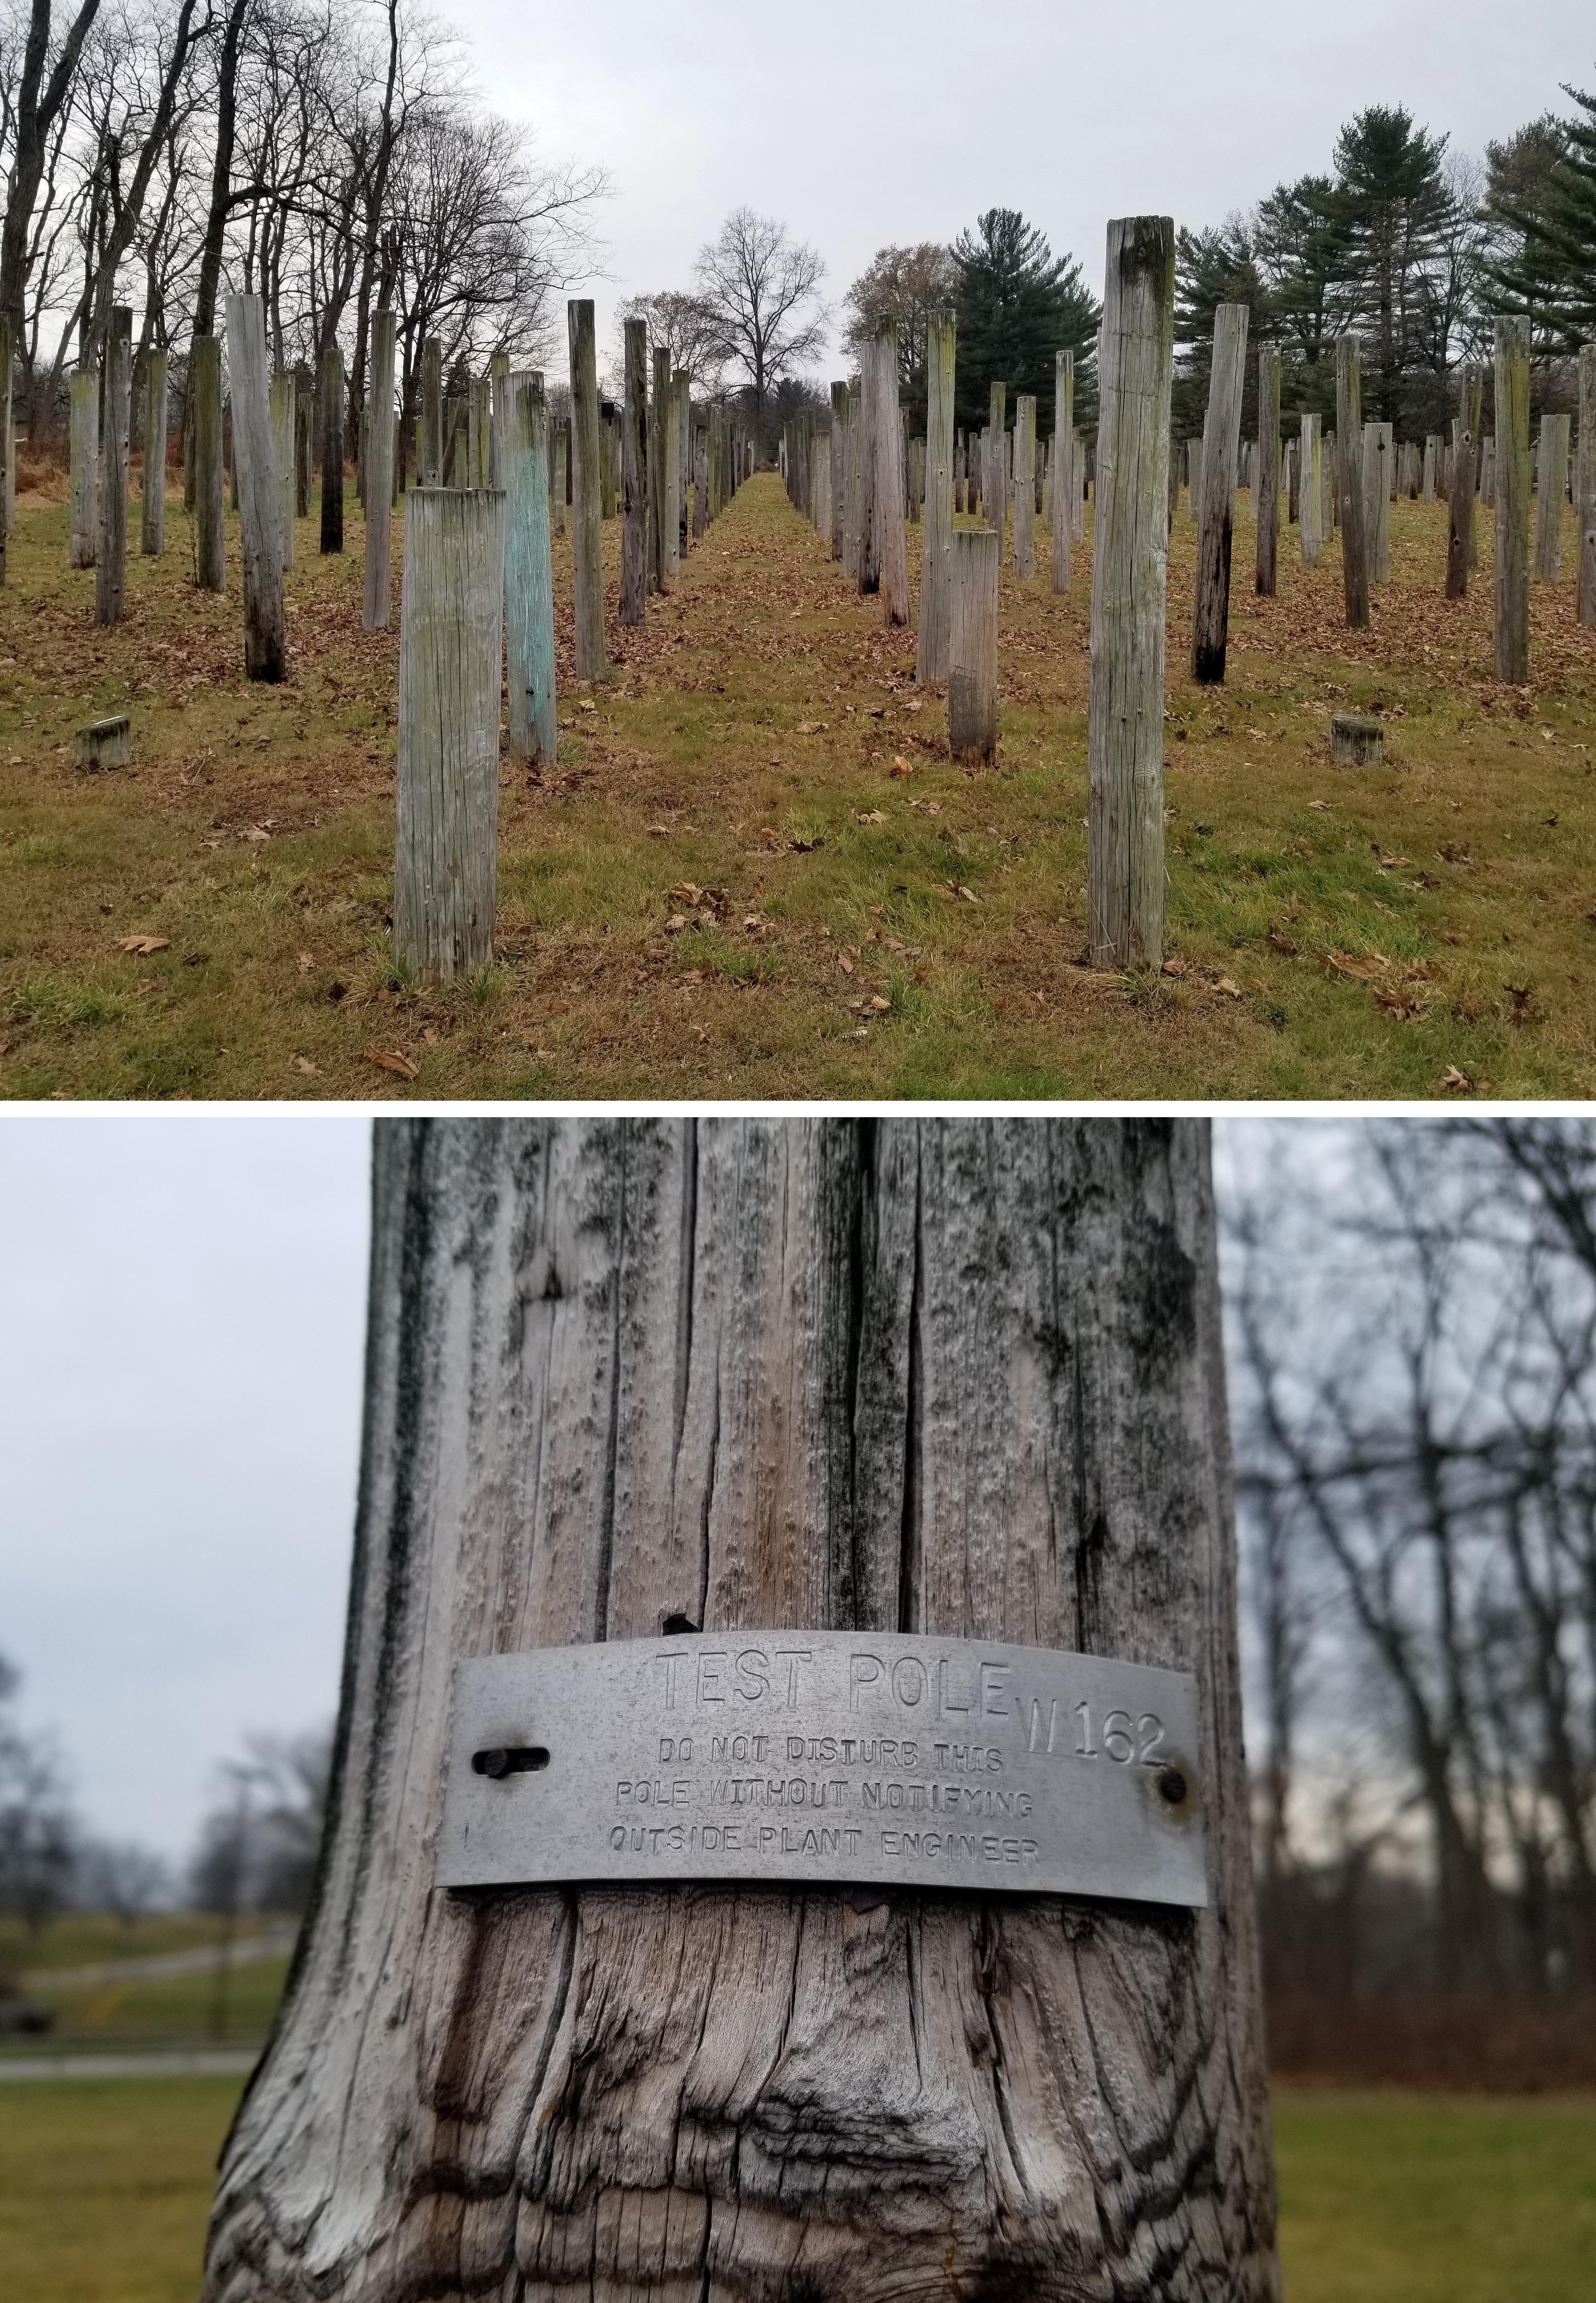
[(957, 1377)]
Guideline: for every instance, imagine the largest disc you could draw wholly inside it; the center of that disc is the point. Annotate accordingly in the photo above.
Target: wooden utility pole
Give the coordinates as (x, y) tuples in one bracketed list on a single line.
[(376, 601), (83, 453), (634, 471), (883, 467), (1125, 721), (1025, 485), (1062, 509), (1222, 435), (1584, 494), (659, 392), (1460, 494), (116, 384), (451, 640), (670, 476), (284, 394), (153, 507), (204, 415), (588, 587), (1512, 499), (332, 389), (528, 573), (260, 510), (767, 1375), (993, 487), (1349, 483), (972, 644), (1267, 498), (839, 468), (1310, 491), (1378, 460), (304, 425), (1551, 488), (937, 531)]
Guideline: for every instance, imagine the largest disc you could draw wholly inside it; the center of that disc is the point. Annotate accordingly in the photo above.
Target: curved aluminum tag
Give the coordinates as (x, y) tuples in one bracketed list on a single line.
[(825, 1757)]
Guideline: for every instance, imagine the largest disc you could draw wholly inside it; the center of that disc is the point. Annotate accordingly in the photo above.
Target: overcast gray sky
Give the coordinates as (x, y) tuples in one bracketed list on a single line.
[(182, 1326), (899, 121)]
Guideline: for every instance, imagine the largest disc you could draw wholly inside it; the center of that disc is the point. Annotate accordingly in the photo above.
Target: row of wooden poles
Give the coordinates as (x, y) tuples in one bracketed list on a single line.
[(859, 478), (478, 605)]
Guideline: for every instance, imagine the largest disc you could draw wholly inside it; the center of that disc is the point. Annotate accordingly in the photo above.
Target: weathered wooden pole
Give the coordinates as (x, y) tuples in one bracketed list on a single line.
[(1267, 497), (153, 507), (528, 572), (482, 431), (376, 602), (1512, 499), (117, 382), (204, 406), (586, 511), (888, 546), (853, 497), (1551, 486), (260, 504), (839, 468), (1460, 492), (284, 394), (499, 386), (304, 426), (1584, 498), (774, 1378), (1349, 483), (634, 471), (1063, 466), (1310, 491), (560, 473), (83, 522), (429, 463), (936, 530), (1125, 715), (1025, 485), (972, 644), (451, 636), (1428, 469), (1222, 435), (670, 479), (1378, 460), (681, 401), (994, 479), (331, 390), (658, 392)]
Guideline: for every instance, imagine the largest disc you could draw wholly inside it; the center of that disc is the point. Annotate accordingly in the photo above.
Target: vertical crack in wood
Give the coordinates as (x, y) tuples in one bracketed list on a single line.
[(618, 1283), (910, 1541)]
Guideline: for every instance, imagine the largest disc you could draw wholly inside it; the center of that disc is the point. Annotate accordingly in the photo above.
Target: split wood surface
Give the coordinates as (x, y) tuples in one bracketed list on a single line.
[(960, 1378)]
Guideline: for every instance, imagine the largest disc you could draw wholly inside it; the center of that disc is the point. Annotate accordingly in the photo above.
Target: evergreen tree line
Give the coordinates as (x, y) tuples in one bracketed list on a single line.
[(1015, 305), (1412, 249)]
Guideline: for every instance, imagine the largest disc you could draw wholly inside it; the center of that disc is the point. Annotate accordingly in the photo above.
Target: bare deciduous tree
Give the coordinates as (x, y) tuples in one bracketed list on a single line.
[(764, 290)]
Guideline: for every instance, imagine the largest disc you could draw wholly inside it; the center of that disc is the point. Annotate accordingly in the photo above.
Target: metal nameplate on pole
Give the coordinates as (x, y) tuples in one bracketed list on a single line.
[(826, 1758)]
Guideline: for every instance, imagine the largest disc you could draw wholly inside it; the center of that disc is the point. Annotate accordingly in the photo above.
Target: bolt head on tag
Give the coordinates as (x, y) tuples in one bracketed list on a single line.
[(826, 1758)]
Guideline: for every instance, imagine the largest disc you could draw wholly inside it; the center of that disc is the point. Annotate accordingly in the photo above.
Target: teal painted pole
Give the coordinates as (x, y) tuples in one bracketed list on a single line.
[(528, 571)]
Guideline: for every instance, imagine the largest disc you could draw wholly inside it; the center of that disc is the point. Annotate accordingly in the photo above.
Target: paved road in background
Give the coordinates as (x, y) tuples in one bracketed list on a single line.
[(235, 2061), (203, 1958)]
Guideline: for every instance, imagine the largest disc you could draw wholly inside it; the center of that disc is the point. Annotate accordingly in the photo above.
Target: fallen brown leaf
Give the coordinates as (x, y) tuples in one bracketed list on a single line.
[(390, 1060), (303, 1064), (901, 766), (143, 944), (872, 815)]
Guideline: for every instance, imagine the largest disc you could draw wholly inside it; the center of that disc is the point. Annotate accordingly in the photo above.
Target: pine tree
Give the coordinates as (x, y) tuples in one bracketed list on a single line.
[(1392, 205), (1018, 304), (1550, 274), (1213, 267)]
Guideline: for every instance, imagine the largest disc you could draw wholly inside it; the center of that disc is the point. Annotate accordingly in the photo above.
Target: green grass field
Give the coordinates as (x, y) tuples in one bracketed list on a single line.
[(753, 870), (1385, 2198)]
